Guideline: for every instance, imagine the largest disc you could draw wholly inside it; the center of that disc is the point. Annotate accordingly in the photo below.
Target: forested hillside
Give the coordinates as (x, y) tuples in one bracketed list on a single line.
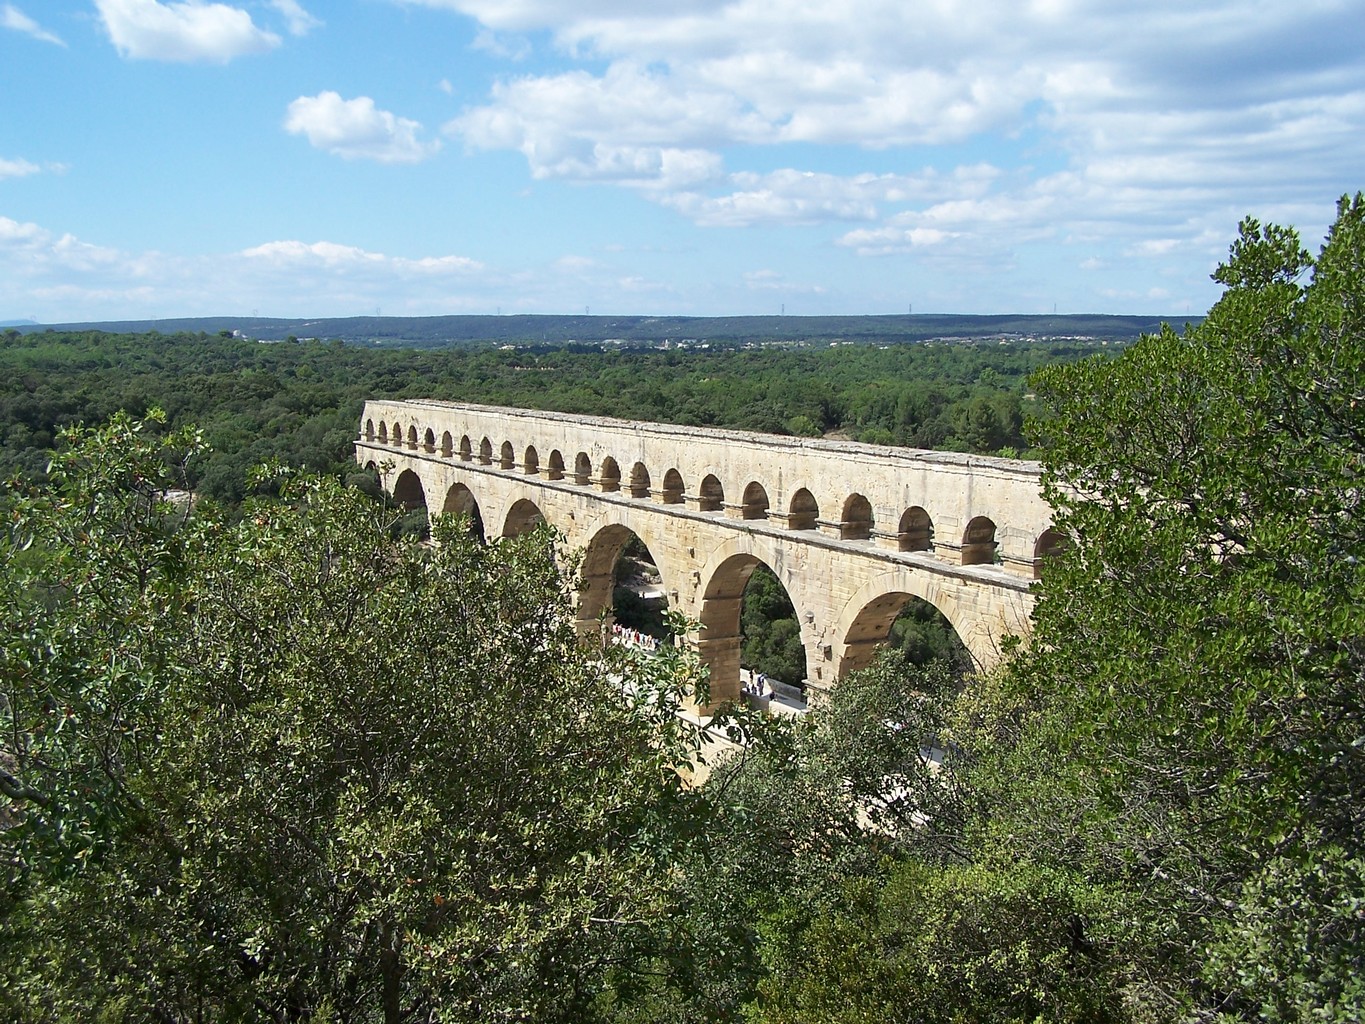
[(300, 402)]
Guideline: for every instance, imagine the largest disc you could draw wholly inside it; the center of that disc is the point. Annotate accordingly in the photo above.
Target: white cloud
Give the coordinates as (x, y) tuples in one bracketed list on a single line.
[(17, 168), (13, 18), (333, 256), (356, 129), (513, 48), (300, 22), (189, 32)]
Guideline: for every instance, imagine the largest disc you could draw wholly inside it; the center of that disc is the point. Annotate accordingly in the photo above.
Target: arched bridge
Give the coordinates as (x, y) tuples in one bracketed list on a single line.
[(852, 531)]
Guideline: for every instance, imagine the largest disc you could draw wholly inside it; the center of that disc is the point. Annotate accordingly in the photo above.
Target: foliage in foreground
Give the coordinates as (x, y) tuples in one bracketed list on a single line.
[(289, 770)]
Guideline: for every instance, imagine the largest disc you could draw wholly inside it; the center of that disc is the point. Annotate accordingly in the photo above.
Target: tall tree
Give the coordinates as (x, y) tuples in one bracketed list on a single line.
[(288, 769)]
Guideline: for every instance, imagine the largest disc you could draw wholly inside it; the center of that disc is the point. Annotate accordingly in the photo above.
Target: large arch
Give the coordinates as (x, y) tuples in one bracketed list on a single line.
[(598, 572), (523, 517), (460, 501), (408, 492), (870, 629), (878, 603), (727, 574)]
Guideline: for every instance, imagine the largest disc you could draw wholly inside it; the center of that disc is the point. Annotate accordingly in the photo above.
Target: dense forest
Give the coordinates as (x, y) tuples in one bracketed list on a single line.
[(276, 765), (300, 403)]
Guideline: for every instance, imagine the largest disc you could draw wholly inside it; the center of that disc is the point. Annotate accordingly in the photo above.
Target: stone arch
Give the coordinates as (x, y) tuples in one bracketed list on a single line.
[(460, 501), (556, 465), (1050, 544), (804, 512), (866, 618), (582, 469), (978, 542), (486, 452), (597, 575), (672, 493), (871, 628), (856, 521), (530, 461), (429, 440), (369, 430), (523, 517), (609, 476), (466, 449), (916, 530), (447, 445), (711, 495), (719, 644), (639, 481), (408, 492), (383, 432), (755, 505), (507, 456), (396, 435), (412, 437)]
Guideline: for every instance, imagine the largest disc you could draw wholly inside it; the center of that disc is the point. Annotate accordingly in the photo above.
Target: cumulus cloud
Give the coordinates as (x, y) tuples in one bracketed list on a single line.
[(17, 168), (60, 278), (1162, 121), (300, 22), (187, 32), (13, 18), (356, 129)]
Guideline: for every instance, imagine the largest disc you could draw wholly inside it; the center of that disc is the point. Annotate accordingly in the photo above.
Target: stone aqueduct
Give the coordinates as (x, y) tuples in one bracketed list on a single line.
[(853, 531)]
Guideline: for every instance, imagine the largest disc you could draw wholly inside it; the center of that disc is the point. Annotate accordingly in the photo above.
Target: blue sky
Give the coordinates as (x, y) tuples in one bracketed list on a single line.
[(707, 157)]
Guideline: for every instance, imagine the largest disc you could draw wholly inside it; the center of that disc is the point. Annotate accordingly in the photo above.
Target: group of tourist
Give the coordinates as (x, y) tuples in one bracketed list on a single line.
[(633, 638)]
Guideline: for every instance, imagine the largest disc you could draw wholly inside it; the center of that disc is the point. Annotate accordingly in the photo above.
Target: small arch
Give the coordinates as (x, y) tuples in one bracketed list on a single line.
[(429, 440), (803, 513), (460, 502), (639, 481), (383, 432), (856, 522), (755, 502), (673, 488), (610, 476), (523, 517), (507, 457), (412, 437), (447, 445), (530, 462), (369, 430), (396, 435), (466, 449), (978, 542), (1050, 544), (556, 465), (486, 452), (582, 469), (711, 496), (916, 530)]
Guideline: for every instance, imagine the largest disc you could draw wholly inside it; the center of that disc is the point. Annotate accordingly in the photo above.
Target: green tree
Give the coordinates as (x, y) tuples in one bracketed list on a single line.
[(288, 769), (1194, 690)]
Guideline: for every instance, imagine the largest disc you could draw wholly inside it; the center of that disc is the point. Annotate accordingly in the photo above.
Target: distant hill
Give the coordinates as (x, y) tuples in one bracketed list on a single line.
[(18, 323), (443, 331)]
